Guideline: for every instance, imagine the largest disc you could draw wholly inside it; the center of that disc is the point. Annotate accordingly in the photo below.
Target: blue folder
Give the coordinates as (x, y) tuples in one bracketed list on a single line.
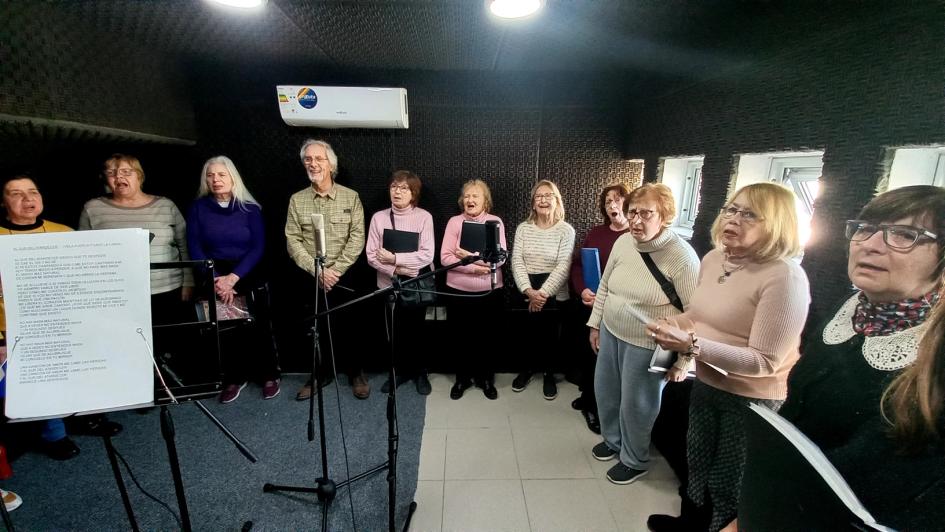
[(590, 265)]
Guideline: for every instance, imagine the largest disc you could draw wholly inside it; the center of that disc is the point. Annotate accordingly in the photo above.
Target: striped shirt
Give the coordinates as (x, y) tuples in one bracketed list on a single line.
[(162, 219), (462, 277), (627, 288), (412, 219), (344, 227), (538, 250)]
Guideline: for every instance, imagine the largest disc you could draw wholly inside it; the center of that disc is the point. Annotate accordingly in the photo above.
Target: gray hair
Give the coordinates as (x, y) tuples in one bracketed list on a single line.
[(240, 193), (332, 158)]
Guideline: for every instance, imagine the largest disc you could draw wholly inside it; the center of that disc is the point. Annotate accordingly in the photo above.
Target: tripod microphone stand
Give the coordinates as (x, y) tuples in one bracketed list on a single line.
[(325, 488)]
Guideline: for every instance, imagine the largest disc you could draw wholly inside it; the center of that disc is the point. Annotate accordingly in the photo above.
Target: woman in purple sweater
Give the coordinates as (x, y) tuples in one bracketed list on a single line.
[(225, 224), (476, 299)]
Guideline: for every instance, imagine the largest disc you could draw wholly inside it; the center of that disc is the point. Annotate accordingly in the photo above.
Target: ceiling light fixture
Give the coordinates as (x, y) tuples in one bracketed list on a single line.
[(242, 4), (514, 8)]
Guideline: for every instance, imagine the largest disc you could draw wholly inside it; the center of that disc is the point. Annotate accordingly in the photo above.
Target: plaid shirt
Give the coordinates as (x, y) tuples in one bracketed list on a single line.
[(344, 227)]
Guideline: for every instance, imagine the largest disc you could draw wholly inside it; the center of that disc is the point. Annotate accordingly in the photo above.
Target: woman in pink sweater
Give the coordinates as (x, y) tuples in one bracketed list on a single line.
[(404, 215), (475, 299), (743, 329)]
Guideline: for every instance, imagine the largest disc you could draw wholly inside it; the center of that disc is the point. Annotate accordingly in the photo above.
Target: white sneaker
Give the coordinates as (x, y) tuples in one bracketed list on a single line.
[(11, 500)]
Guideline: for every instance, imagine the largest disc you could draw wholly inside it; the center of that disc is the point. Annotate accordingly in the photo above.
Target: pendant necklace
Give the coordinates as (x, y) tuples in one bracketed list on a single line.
[(726, 273)]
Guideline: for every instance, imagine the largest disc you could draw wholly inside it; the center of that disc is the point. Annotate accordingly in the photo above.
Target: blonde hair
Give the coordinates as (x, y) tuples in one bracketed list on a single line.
[(558, 214), (914, 402), (240, 193), (133, 162), (662, 194), (486, 194), (777, 218)]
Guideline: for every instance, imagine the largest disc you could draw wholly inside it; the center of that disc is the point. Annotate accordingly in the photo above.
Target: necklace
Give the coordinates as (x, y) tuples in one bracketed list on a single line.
[(728, 273)]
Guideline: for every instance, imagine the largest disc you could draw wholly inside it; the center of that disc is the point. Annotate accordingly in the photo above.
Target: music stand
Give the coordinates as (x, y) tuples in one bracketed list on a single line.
[(326, 488), (178, 391)]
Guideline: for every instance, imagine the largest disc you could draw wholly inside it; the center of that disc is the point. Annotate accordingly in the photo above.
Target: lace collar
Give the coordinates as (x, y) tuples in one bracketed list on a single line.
[(886, 353)]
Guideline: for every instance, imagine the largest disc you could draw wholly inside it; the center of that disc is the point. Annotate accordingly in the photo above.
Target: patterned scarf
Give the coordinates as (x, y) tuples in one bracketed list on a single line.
[(883, 319)]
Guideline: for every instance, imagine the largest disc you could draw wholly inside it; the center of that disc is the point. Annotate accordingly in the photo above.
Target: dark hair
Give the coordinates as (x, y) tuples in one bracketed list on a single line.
[(621, 189), (15, 177), (406, 176), (923, 203)]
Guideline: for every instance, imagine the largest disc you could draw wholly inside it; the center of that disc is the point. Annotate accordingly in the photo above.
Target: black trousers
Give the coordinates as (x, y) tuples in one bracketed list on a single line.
[(249, 351), (473, 324), (406, 324), (584, 360)]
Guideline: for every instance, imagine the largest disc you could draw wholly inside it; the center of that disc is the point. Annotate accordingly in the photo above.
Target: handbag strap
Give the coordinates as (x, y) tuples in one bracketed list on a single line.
[(665, 283), (392, 226)]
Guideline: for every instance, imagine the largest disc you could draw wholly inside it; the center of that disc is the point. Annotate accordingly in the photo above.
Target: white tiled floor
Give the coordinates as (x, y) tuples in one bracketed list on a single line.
[(521, 463)]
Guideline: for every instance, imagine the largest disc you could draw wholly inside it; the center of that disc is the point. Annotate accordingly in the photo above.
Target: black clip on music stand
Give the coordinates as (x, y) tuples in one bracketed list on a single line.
[(325, 488), (184, 392)]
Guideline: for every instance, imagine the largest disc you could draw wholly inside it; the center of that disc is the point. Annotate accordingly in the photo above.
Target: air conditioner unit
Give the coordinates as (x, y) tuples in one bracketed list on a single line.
[(338, 107)]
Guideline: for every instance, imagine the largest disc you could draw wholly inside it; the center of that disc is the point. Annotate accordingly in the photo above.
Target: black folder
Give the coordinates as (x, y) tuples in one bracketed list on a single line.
[(473, 237), (397, 241)]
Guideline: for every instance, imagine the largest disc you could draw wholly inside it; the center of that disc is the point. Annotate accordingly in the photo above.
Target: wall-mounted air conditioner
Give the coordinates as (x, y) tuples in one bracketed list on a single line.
[(338, 107)]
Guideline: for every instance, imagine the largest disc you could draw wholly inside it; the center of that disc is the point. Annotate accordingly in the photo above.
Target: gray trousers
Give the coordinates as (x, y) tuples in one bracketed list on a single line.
[(628, 398)]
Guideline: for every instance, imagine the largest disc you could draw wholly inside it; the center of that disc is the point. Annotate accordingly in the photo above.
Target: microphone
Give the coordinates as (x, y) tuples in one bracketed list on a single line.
[(492, 240), (318, 220)]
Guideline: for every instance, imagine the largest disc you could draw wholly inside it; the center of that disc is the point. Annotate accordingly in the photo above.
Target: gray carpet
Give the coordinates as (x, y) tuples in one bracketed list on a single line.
[(223, 489)]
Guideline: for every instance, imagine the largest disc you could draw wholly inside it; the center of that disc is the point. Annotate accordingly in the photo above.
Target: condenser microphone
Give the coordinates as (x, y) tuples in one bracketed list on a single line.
[(492, 241), (318, 220)]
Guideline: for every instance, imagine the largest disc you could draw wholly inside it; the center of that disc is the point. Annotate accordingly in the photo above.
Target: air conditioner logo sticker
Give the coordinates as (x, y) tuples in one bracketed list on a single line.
[(307, 98)]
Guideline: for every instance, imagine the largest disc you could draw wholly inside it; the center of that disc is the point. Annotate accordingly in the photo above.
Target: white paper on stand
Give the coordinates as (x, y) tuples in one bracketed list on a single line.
[(78, 322)]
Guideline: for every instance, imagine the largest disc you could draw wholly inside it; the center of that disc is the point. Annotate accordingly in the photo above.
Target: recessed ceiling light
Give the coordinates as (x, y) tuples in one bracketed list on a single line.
[(242, 4), (514, 8)]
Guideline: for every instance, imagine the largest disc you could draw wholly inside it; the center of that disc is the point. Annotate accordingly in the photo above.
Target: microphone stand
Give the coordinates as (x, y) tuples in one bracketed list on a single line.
[(325, 488)]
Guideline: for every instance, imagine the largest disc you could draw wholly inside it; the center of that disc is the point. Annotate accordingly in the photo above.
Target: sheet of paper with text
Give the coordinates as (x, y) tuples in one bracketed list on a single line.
[(78, 310)]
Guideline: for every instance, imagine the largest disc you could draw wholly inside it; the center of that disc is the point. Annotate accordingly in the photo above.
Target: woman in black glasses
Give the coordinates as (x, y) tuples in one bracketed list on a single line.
[(836, 393), (742, 327)]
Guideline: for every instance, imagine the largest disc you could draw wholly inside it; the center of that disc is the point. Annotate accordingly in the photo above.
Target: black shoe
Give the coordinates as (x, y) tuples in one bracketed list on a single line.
[(423, 384), (665, 523), (521, 381), (603, 452), (488, 389), (550, 387), (593, 423), (623, 474), (64, 449), (578, 404), (400, 380), (459, 388), (94, 425)]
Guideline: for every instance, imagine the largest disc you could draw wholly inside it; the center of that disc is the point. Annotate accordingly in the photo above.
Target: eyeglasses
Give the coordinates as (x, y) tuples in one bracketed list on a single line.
[(547, 196), (318, 160), (644, 214), (401, 187), (123, 172), (746, 215), (902, 237)]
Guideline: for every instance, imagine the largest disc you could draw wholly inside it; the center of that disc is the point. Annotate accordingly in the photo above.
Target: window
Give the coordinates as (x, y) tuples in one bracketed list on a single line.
[(683, 175), (915, 166)]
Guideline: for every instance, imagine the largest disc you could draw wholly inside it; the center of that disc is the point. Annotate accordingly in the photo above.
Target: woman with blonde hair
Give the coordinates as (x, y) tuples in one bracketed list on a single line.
[(541, 258), (743, 330), (225, 224), (475, 299)]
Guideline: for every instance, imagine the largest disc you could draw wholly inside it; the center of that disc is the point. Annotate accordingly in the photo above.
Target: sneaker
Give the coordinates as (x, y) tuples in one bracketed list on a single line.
[(459, 387), (271, 389), (488, 389), (622, 474), (61, 449), (231, 392), (666, 523), (521, 381), (549, 388), (423, 384), (603, 452), (11, 500)]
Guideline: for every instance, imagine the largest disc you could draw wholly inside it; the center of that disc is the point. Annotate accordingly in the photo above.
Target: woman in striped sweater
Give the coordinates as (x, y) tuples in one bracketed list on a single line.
[(541, 258)]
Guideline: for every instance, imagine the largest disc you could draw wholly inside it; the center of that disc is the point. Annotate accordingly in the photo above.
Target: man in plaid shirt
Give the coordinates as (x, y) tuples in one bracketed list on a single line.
[(344, 242)]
